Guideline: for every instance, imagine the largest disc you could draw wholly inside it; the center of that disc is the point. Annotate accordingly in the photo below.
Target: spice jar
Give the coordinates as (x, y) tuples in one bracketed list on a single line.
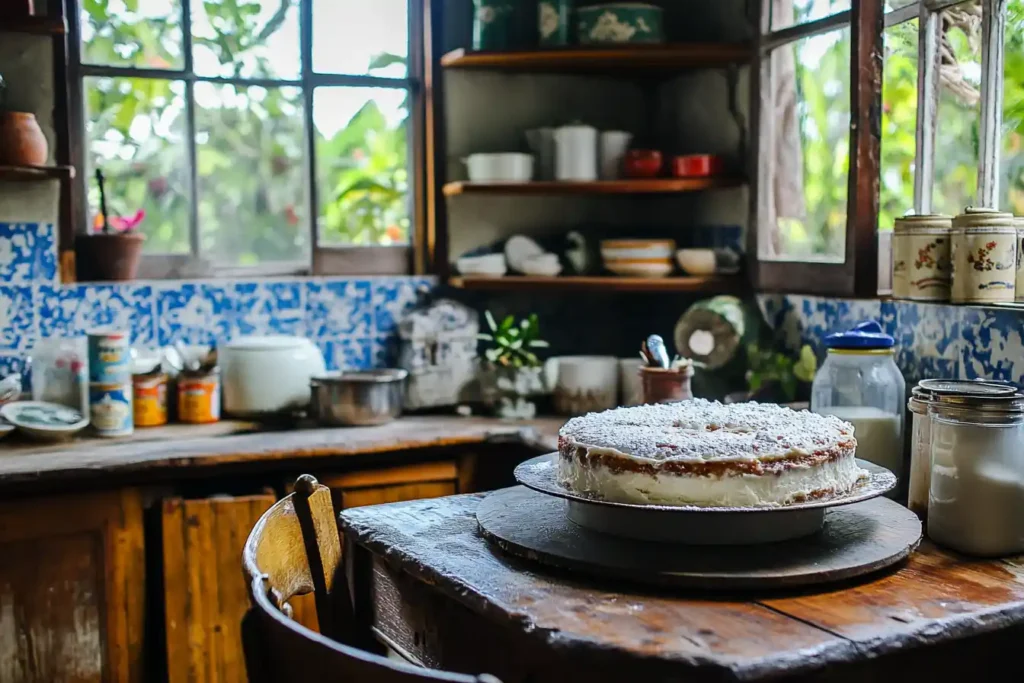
[(199, 396), (984, 257), (976, 495), (859, 382), (922, 268)]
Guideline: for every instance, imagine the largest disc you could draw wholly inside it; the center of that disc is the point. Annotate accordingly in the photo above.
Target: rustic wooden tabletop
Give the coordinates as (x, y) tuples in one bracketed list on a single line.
[(443, 597)]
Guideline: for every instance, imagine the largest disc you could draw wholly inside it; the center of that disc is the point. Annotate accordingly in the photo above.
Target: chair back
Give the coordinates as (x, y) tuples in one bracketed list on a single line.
[(295, 549)]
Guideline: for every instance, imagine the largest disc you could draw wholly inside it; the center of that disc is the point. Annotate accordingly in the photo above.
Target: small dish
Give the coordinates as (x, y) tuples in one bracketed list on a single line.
[(488, 265), (518, 250), (44, 421), (697, 261), (697, 165), (642, 163), (637, 249)]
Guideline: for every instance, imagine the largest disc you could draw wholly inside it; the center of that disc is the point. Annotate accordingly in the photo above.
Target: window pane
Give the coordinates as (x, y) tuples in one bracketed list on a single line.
[(246, 38), (136, 135), (899, 123), (360, 37), (249, 156), (803, 213), (789, 12), (956, 135), (1012, 182), (362, 155), (890, 5), (140, 33)]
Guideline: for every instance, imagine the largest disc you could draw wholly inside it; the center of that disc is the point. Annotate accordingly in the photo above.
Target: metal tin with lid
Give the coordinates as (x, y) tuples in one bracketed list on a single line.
[(984, 254), (921, 251)]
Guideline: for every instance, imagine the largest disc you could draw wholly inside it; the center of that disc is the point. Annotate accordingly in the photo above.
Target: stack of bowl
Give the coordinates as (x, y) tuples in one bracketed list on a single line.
[(638, 258)]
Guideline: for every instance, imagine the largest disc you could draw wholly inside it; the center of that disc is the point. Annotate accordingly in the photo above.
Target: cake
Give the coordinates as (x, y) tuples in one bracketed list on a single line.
[(704, 453)]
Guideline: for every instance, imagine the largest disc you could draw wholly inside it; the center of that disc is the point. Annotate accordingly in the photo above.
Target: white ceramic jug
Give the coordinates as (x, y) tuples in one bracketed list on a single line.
[(576, 153)]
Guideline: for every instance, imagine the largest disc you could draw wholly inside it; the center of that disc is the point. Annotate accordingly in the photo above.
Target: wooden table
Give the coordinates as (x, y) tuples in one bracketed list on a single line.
[(439, 595)]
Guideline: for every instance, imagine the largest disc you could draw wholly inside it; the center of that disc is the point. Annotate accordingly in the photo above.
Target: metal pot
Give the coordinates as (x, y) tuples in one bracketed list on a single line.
[(358, 397)]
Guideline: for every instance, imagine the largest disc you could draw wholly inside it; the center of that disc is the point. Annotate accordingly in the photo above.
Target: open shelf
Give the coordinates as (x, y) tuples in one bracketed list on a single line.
[(629, 186), (608, 283), (577, 58), (27, 173), (36, 25)]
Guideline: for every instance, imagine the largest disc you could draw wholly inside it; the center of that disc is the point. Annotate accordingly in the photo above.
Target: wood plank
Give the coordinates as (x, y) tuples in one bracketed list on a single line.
[(597, 187), (591, 59), (406, 474), (30, 173), (604, 283), (35, 25), (394, 494)]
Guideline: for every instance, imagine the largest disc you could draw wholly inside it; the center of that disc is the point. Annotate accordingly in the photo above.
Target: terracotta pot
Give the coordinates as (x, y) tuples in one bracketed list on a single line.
[(106, 257), (663, 385), (22, 142)]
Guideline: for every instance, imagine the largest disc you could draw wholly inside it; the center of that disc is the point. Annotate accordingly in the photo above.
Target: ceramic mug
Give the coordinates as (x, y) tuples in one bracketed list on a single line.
[(630, 386), (614, 144), (576, 153), (583, 384)]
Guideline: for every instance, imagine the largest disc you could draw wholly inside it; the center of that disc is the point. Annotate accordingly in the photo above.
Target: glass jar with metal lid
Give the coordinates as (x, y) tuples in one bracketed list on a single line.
[(984, 256), (976, 492), (921, 257)]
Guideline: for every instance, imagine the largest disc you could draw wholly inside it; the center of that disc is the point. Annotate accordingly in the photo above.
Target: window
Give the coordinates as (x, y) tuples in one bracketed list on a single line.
[(1012, 176), (265, 135)]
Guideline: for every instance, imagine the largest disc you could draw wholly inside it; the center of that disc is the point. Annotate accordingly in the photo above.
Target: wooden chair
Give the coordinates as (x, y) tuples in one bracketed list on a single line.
[(294, 549)]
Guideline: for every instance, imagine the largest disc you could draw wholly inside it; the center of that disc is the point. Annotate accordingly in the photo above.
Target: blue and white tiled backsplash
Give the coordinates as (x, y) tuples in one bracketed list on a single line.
[(353, 320)]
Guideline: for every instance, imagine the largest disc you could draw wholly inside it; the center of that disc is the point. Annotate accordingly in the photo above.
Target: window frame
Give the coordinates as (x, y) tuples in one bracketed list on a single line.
[(324, 259)]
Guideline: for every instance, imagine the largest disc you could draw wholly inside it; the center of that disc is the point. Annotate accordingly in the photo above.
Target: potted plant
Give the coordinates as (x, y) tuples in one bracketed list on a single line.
[(111, 252), (775, 377), (511, 373)]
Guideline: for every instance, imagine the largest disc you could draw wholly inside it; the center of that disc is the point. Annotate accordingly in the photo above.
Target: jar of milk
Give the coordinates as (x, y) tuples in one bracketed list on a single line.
[(860, 383)]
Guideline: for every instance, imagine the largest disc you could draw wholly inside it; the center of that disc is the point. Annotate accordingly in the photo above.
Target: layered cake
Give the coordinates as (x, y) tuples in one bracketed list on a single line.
[(704, 453)]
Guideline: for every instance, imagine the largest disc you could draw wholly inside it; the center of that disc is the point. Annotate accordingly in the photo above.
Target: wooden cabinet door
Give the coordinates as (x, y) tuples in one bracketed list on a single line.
[(72, 587), (205, 594), (408, 482)]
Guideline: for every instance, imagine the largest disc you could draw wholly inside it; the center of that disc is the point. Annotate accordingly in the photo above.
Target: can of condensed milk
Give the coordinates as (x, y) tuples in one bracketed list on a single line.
[(110, 408), (110, 357)]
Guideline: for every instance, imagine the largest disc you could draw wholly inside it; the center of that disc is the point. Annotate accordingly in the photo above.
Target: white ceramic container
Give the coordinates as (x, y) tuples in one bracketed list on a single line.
[(268, 375), (631, 389), (614, 144), (696, 261), (921, 257), (984, 257), (583, 384), (505, 167), (492, 265), (576, 153)]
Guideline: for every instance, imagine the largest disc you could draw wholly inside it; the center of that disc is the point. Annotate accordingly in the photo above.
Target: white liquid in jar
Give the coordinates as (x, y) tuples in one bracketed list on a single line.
[(879, 434)]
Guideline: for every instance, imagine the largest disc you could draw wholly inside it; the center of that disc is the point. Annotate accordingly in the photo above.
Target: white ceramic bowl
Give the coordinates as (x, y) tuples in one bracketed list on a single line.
[(265, 376), (519, 249), (546, 265), (491, 265), (637, 249), (630, 268), (505, 167), (696, 261)]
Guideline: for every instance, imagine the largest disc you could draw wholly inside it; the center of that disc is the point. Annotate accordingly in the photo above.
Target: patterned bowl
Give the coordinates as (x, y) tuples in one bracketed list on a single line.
[(620, 22)]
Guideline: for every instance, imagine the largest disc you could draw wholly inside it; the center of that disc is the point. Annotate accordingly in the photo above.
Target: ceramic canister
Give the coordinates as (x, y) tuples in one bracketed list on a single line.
[(110, 357), (583, 384), (553, 21), (1019, 287), (110, 408), (984, 256), (922, 266), (576, 153)]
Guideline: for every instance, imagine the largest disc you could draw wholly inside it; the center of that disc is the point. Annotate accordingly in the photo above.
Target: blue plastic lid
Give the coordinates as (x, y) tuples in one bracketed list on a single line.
[(866, 335)]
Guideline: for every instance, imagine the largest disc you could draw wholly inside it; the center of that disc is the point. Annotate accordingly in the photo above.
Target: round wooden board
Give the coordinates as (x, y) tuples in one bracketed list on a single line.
[(856, 539)]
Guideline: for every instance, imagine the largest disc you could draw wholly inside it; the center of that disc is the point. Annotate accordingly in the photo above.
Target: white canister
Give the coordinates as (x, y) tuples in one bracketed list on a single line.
[(984, 257), (576, 153), (614, 144), (583, 384), (630, 386), (1019, 279), (922, 266)]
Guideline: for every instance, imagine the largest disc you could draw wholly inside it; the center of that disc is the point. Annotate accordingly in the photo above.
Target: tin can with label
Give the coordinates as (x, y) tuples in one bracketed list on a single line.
[(150, 399), (199, 397), (110, 408), (110, 358)]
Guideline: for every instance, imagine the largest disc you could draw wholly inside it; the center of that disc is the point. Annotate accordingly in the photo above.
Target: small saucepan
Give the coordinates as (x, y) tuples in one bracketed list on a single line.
[(358, 397)]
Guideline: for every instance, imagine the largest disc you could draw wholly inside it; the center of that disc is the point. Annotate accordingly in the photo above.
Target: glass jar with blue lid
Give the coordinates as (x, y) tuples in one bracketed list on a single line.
[(859, 382)]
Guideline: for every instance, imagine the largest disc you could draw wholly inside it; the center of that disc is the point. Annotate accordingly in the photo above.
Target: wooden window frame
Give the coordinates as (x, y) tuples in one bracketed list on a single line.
[(324, 259)]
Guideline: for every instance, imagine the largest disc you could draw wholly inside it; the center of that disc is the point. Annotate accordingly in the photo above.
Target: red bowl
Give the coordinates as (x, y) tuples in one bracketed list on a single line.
[(642, 163), (697, 165)]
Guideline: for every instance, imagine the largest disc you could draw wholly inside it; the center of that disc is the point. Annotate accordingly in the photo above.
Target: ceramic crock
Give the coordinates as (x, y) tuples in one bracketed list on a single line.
[(576, 153), (553, 18), (22, 142), (620, 22), (922, 266), (583, 384), (984, 257), (264, 376)]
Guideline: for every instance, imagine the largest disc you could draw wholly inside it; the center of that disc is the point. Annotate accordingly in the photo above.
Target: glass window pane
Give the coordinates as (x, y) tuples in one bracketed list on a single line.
[(803, 215), (249, 157), (246, 38), (899, 123), (890, 5), (136, 135), (360, 37), (790, 12), (139, 33), (959, 115), (1012, 181), (363, 168)]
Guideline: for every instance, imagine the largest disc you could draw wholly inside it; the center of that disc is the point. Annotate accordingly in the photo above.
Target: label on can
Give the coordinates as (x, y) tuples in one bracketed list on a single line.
[(110, 356), (150, 400), (110, 408), (199, 398)]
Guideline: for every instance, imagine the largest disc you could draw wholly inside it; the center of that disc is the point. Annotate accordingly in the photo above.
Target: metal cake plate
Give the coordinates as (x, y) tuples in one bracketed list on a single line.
[(695, 525)]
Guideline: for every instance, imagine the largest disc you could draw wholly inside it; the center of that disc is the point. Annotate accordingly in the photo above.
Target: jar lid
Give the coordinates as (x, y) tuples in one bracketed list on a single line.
[(865, 335), (982, 396), (912, 222), (980, 218), (965, 387)]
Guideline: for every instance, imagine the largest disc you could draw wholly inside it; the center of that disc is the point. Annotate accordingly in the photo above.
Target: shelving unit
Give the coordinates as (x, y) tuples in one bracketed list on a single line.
[(590, 59), (634, 186), (523, 283), (37, 25), (32, 173)]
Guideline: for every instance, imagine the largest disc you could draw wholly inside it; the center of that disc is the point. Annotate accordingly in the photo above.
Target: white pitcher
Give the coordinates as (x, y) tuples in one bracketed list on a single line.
[(576, 153)]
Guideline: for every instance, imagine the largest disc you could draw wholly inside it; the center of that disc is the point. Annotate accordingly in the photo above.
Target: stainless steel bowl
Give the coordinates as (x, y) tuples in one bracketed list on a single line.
[(358, 397)]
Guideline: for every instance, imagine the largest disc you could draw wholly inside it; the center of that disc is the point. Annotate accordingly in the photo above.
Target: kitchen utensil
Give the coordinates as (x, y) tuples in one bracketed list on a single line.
[(363, 397), (542, 143), (503, 167), (44, 421), (696, 261), (697, 165), (583, 384), (620, 22), (490, 265), (642, 163), (264, 376), (576, 153), (519, 249), (657, 350), (614, 145)]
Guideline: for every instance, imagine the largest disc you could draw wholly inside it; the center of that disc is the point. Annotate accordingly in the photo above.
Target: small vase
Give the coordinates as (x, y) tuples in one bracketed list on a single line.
[(554, 20), (22, 142), (493, 25)]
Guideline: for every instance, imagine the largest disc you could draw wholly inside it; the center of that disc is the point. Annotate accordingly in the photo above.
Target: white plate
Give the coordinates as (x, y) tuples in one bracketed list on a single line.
[(44, 421)]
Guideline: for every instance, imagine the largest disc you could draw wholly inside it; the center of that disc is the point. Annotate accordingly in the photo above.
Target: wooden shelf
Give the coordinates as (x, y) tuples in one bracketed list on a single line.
[(577, 58), (609, 283), (559, 187), (29, 173), (36, 25)]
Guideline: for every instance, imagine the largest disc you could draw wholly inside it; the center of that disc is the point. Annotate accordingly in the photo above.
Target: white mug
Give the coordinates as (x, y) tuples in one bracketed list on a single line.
[(614, 144), (630, 386), (576, 153)]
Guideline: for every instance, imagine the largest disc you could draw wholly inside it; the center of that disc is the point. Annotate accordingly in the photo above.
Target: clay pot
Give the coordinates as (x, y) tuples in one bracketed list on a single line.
[(108, 257), (663, 385), (22, 142)]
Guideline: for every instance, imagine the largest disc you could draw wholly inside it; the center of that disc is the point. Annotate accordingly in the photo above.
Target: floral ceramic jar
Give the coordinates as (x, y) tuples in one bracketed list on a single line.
[(1019, 288), (620, 22), (553, 21), (984, 257), (921, 258)]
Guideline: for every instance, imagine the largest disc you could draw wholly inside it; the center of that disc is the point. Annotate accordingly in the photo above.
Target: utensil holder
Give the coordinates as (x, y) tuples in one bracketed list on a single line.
[(666, 385)]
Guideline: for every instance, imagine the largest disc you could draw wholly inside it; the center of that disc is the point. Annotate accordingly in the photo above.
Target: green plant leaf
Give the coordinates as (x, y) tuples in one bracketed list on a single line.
[(490, 321)]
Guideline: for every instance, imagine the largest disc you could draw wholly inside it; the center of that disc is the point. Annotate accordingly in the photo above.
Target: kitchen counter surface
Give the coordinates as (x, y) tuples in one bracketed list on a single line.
[(191, 447)]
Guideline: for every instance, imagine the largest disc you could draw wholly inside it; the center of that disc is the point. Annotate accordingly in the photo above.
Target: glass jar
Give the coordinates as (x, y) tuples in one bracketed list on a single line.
[(976, 494), (859, 382)]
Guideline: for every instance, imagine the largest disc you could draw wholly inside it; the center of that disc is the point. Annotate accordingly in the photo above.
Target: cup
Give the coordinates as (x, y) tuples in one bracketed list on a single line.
[(583, 384), (630, 388), (614, 144)]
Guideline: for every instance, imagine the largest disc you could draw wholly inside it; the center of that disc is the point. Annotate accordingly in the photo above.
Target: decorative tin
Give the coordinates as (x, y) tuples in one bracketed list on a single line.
[(922, 267), (984, 257), (110, 357), (620, 22), (439, 343), (199, 397), (1019, 287), (110, 408), (553, 19), (493, 24), (150, 399)]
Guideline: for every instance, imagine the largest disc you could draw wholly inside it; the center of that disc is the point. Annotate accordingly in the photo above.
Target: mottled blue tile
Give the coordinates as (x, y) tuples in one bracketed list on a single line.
[(348, 353), (928, 339), (338, 307), (75, 309), (269, 308), (991, 344), (17, 318), (818, 317), (889, 317), (393, 297), (28, 253), (194, 313)]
